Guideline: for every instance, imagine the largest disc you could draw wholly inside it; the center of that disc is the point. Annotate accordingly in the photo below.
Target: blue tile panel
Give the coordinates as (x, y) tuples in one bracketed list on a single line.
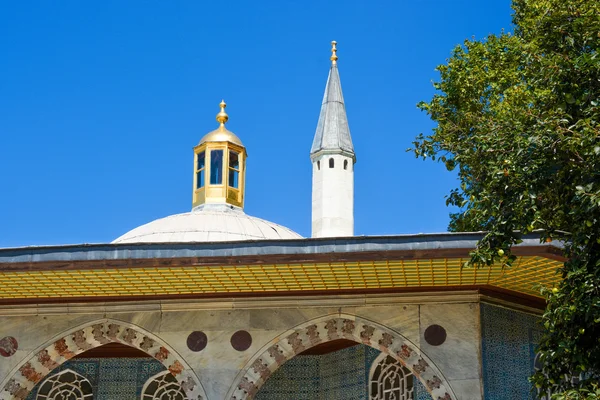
[(508, 350), (112, 378), (339, 375), (419, 391), (343, 374)]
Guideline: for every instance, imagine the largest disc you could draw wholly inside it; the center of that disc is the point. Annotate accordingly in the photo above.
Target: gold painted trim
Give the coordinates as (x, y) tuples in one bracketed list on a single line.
[(526, 277), (219, 193)]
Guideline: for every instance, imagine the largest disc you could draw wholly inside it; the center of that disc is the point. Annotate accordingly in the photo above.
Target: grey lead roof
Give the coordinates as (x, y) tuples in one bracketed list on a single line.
[(332, 131), (91, 252)]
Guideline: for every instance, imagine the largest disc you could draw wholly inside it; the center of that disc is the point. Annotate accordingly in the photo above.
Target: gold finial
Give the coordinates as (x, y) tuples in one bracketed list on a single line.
[(334, 56), (222, 116)]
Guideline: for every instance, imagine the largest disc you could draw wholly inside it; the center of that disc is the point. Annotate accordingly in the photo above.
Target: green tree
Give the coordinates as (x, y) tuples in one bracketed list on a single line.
[(518, 118), (579, 394)]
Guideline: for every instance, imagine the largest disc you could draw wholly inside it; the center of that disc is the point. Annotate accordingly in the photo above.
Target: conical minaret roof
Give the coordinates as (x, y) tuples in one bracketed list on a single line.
[(333, 134)]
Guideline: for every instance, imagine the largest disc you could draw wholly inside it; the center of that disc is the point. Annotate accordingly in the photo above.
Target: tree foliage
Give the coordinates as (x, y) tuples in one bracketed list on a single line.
[(579, 394), (518, 117)]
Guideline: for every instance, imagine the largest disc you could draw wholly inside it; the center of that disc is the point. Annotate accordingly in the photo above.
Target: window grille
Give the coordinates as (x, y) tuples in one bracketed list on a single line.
[(537, 365), (65, 385), (389, 380), (162, 386)]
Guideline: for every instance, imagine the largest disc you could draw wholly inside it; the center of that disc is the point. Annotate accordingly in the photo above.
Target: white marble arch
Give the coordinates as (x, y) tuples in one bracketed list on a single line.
[(40, 362), (332, 327)]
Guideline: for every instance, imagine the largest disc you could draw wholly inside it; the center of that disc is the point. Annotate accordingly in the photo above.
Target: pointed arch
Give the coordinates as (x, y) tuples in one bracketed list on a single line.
[(38, 364), (332, 327)]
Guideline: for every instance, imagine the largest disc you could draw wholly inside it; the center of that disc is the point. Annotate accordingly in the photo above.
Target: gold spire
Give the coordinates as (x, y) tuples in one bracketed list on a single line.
[(334, 56), (222, 116)]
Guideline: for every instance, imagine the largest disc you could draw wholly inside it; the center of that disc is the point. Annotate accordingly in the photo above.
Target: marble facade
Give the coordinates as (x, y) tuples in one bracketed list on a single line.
[(280, 328)]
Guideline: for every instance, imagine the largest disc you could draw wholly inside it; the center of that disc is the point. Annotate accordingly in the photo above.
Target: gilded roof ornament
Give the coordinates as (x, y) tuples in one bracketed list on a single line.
[(221, 134), (222, 116), (334, 56)]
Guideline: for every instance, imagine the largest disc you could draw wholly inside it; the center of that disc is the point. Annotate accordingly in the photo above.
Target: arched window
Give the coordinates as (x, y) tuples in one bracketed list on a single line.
[(319, 165), (331, 163), (162, 386), (345, 164), (66, 384), (389, 380)]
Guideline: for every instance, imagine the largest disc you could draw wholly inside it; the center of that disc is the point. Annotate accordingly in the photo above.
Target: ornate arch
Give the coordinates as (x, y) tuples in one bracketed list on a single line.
[(260, 367), (40, 363)]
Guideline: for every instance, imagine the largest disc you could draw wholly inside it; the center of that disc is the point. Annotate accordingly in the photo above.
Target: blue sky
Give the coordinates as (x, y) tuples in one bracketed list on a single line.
[(101, 104)]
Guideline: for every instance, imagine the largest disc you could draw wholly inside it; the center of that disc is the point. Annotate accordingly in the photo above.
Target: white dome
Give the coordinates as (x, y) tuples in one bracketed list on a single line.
[(207, 225)]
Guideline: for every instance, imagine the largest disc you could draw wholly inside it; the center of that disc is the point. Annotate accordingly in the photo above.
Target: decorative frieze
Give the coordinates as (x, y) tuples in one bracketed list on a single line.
[(40, 364), (310, 334)]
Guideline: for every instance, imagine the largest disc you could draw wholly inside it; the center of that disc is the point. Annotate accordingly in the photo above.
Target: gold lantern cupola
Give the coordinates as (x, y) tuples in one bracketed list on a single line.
[(219, 167)]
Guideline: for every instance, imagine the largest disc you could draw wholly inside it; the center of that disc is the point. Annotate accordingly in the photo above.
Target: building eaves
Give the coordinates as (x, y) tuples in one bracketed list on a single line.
[(425, 245)]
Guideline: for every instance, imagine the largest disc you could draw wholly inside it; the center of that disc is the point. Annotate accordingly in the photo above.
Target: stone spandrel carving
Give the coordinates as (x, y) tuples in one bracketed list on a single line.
[(389, 380), (163, 386), (65, 385)]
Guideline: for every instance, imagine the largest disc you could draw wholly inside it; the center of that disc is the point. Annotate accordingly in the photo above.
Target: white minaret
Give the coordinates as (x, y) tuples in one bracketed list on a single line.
[(333, 158)]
